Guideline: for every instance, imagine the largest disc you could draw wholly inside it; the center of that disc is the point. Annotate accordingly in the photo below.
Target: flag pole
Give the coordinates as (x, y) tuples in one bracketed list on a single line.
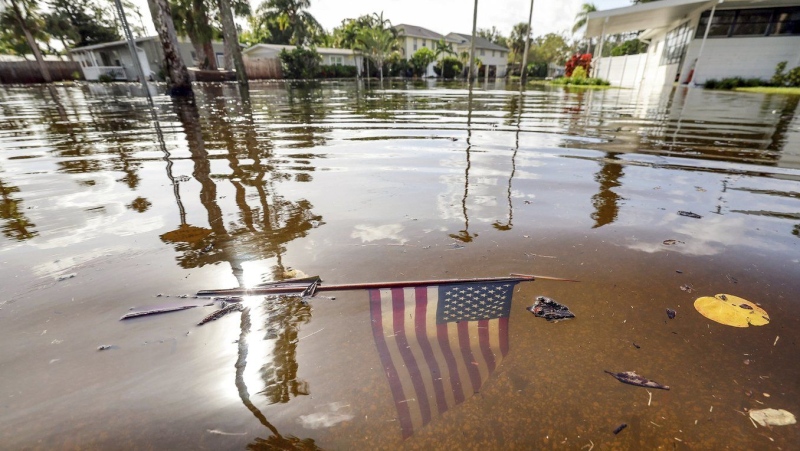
[(277, 288)]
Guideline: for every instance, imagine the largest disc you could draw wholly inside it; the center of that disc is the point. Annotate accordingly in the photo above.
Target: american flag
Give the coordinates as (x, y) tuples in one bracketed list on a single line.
[(438, 344)]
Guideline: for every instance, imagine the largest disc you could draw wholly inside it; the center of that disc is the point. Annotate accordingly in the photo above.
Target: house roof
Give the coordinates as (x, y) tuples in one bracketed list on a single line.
[(111, 44), (320, 50), (480, 42), (645, 16), (415, 31)]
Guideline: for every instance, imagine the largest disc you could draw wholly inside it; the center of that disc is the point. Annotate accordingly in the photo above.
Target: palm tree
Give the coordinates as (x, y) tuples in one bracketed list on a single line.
[(291, 19), (583, 16), (231, 38), (179, 82), (442, 48), (377, 43), (518, 37), (26, 24)]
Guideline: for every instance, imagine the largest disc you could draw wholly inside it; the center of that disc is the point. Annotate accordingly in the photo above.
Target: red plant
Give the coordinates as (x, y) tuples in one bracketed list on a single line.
[(578, 60)]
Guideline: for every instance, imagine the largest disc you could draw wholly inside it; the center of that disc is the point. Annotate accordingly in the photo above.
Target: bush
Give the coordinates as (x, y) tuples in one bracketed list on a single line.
[(336, 71), (300, 63), (580, 81), (105, 78), (420, 60), (537, 70), (578, 73), (730, 83), (578, 60), (779, 78), (448, 67), (793, 77)]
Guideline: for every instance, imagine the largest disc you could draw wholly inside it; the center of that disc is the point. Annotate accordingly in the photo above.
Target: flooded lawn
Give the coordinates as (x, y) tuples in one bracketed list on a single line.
[(651, 201)]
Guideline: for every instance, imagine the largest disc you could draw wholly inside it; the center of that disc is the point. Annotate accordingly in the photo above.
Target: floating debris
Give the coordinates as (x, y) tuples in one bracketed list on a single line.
[(636, 346), (104, 347), (620, 428), (156, 311), (221, 312), (772, 417), (672, 242), (687, 288), (228, 299), (66, 276), (689, 214), (207, 248), (550, 310), (731, 310), (670, 313), (630, 377)]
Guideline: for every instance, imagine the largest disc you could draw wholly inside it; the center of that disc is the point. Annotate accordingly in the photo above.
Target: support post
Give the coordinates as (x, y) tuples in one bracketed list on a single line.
[(600, 53)]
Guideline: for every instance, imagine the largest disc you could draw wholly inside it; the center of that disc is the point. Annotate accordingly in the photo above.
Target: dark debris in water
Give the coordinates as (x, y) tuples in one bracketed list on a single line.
[(550, 310), (689, 214), (620, 428), (670, 313)]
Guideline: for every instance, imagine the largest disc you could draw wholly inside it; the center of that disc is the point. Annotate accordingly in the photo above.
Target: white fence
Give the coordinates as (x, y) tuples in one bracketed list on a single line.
[(623, 71)]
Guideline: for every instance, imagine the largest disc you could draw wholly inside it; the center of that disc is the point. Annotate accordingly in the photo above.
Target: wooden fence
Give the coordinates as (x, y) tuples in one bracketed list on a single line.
[(28, 71), (263, 68)]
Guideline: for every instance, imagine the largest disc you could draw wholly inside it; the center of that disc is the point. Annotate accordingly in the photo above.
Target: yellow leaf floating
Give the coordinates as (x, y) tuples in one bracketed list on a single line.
[(731, 310)]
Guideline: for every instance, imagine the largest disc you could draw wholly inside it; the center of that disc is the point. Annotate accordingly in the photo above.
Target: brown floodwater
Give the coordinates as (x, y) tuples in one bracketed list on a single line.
[(107, 204)]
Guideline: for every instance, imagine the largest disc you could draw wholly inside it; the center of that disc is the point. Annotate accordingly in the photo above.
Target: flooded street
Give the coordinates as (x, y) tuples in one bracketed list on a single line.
[(650, 200)]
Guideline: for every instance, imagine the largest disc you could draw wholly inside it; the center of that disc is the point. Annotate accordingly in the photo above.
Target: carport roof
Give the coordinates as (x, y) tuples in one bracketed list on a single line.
[(642, 16)]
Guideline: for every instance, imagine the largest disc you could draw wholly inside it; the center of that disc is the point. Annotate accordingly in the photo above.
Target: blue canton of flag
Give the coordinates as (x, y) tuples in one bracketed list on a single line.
[(474, 301)]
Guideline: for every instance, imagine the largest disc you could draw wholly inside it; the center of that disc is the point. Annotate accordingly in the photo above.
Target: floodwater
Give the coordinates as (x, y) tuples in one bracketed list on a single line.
[(103, 209)]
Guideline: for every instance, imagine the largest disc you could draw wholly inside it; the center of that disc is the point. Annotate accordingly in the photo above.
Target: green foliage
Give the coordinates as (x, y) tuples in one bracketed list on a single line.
[(287, 22), (336, 71), (519, 33), (583, 16), (779, 78), (579, 78), (537, 69), (550, 48), (81, 22), (420, 60), (377, 44), (300, 63), (793, 77), (731, 83), (493, 35), (105, 78), (578, 73), (629, 47), (448, 67)]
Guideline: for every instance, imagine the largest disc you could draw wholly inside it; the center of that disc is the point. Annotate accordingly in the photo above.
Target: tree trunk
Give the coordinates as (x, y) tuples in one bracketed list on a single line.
[(179, 82), (32, 43), (232, 40), (199, 50), (205, 34)]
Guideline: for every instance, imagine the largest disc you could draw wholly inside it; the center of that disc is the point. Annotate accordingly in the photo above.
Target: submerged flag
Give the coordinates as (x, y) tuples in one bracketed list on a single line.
[(438, 344)]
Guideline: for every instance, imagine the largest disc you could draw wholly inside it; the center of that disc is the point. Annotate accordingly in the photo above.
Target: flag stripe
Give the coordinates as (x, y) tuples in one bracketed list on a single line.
[(450, 358), (398, 307), (483, 339), (421, 294), (395, 382), (469, 359), (504, 335), (444, 379)]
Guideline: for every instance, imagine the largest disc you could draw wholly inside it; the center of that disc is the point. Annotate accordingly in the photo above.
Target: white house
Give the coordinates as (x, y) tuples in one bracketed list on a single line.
[(691, 41), (413, 38), (493, 56), (113, 59), (330, 56)]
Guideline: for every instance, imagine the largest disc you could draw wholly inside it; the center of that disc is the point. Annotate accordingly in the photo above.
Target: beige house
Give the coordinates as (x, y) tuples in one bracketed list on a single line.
[(413, 38), (491, 55)]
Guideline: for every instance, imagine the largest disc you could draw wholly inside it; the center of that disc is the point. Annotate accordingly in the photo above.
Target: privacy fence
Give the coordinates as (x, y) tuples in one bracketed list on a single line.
[(263, 68), (29, 72)]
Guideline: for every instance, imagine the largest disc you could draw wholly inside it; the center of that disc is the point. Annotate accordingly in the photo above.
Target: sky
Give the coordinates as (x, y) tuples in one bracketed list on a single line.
[(445, 16)]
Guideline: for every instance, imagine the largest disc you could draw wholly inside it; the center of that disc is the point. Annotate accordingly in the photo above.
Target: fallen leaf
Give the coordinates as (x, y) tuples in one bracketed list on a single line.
[(731, 310), (772, 417)]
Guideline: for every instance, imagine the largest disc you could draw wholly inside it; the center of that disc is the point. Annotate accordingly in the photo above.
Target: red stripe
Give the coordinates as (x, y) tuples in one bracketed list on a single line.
[(486, 350), (398, 308), (504, 335), (425, 346), (450, 359), (378, 333), (469, 359)]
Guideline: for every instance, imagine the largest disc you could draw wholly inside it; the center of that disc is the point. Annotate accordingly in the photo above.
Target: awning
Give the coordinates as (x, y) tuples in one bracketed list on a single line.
[(642, 16)]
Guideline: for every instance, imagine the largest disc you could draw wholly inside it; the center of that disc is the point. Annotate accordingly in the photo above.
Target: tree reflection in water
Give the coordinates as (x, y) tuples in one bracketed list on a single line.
[(606, 201), (16, 225)]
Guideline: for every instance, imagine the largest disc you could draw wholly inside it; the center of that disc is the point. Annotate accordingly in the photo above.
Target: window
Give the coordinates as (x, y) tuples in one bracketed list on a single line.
[(482, 52), (336, 60), (751, 22), (675, 44), (424, 44), (492, 53), (786, 21)]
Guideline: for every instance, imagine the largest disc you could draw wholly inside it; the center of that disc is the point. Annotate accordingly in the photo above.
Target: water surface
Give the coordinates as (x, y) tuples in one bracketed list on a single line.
[(107, 204)]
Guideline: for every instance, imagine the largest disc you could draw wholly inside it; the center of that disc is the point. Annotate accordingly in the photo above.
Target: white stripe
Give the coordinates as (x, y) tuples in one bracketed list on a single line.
[(387, 319), (455, 347), (433, 338), (477, 352), (409, 320)]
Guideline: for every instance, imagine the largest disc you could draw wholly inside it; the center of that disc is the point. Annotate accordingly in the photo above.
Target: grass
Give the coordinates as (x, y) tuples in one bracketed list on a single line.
[(770, 90)]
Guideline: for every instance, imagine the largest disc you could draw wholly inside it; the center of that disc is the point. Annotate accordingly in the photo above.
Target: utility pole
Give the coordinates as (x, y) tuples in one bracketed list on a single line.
[(523, 72), (472, 44)]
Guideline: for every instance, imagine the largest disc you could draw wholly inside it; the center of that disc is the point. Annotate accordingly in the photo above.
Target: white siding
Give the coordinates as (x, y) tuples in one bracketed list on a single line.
[(741, 57)]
